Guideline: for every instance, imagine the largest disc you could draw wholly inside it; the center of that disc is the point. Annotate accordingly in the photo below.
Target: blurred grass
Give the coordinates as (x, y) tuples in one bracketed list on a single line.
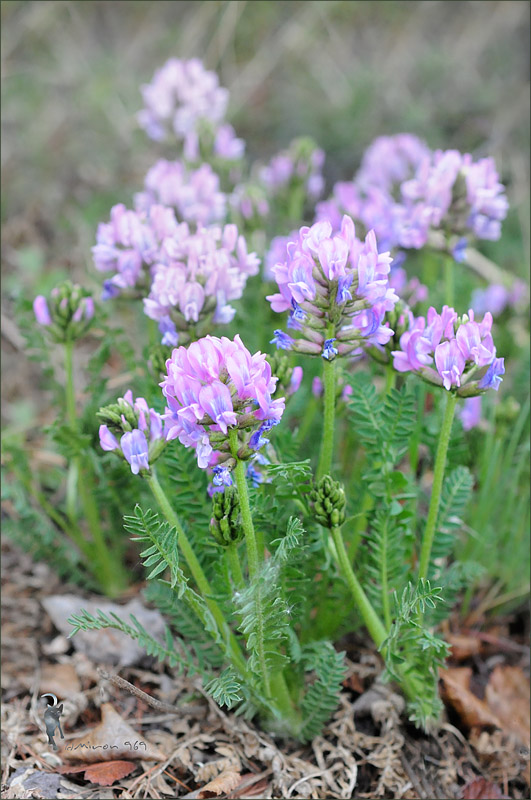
[(343, 72)]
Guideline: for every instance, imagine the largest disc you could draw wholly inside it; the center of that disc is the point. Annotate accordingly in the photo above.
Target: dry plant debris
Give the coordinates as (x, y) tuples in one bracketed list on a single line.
[(365, 752)]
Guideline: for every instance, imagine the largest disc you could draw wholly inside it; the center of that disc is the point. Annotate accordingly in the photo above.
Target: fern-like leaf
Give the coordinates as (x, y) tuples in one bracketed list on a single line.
[(225, 689), (456, 492), (322, 696), (265, 619), (163, 553), (161, 651)]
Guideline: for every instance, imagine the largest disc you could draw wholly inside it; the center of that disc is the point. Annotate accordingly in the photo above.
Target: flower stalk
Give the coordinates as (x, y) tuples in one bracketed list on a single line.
[(438, 475), (197, 571), (327, 440)]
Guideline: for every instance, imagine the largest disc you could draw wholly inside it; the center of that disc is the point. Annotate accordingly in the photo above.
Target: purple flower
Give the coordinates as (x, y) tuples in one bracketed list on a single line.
[(450, 363), (196, 277), (217, 383), (329, 351), (475, 347), (227, 145), (194, 194), (107, 440), (459, 250), (343, 293), (181, 96), (317, 387), (222, 476), (338, 282), (295, 381), (282, 340), (458, 347), (135, 449), (42, 313), (470, 412), (492, 378), (253, 475)]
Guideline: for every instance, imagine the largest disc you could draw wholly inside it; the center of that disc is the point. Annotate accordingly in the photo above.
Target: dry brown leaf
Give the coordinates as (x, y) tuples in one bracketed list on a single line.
[(354, 682), (61, 679), (481, 789), (507, 695), (463, 646), (107, 772), (112, 738), (224, 783), (456, 691)]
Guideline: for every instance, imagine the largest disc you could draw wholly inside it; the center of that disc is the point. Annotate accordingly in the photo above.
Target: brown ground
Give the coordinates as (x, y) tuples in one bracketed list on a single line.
[(366, 751)]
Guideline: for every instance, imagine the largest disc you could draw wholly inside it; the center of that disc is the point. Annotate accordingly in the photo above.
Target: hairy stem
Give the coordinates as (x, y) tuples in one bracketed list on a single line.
[(233, 562), (438, 475), (197, 572), (373, 623), (327, 442)]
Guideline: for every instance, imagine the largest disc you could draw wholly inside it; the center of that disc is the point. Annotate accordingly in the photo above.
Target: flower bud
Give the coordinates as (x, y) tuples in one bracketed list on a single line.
[(67, 314), (225, 525), (329, 502)]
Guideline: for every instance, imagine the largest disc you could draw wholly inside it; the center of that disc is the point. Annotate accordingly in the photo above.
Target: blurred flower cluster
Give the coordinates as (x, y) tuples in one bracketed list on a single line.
[(404, 191)]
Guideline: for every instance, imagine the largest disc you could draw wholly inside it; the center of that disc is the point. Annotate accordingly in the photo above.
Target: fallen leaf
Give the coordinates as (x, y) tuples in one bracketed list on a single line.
[(225, 782), (507, 694), (456, 691), (104, 646), (354, 682), (61, 679), (463, 646), (107, 772), (28, 783), (481, 789), (113, 738)]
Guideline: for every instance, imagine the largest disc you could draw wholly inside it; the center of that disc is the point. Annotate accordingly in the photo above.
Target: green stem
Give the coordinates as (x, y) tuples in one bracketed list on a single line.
[(197, 572), (438, 475), (390, 379), (383, 577), (233, 562), (449, 289), (373, 623), (327, 441), (274, 685), (371, 619), (111, 577)]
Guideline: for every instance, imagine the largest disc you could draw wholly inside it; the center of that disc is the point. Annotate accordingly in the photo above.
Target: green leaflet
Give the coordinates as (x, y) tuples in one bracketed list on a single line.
[(146, 526), (322, 696)]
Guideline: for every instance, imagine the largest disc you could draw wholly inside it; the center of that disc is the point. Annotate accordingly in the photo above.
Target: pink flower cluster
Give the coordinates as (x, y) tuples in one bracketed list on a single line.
[(195, 278), (336, 288), (130, 241), (190, 275), (213, 385), (194, 194), (403, 191), (451, 352), (181, 95)]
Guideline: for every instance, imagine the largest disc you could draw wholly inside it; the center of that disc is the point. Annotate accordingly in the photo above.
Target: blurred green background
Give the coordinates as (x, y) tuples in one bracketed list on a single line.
[(343, 72)]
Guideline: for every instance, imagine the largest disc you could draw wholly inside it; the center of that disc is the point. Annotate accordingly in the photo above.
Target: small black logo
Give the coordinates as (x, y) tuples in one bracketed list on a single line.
[(51, 719)]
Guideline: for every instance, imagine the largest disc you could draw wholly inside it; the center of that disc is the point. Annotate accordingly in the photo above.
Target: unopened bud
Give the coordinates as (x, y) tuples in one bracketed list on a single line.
[(225, 525), (329, 502)]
